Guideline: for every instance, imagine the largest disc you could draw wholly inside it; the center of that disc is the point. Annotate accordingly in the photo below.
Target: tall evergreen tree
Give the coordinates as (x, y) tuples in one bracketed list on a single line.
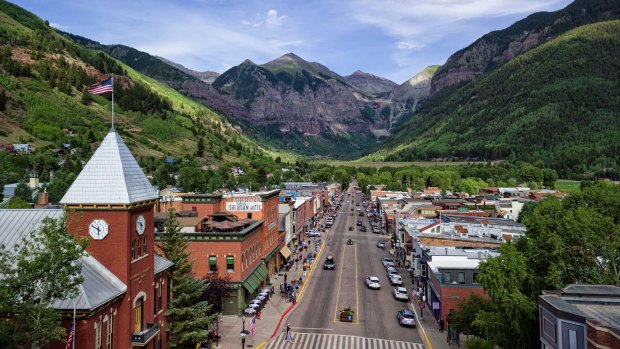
[(187, 314)]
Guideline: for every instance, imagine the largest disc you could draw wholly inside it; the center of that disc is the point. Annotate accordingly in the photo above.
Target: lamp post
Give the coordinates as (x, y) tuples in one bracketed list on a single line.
[(243, 324), (242, 340)]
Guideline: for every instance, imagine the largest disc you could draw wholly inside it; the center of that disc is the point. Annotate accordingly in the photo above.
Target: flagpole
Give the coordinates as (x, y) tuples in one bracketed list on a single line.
[(112, 104), (73, 339)]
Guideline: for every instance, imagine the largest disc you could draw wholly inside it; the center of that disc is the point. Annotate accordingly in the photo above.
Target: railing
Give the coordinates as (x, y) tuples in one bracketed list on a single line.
[(142, 338)]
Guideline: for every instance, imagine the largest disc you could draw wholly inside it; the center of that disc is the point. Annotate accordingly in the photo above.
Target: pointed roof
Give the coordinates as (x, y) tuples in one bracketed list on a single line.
[(111, 176)]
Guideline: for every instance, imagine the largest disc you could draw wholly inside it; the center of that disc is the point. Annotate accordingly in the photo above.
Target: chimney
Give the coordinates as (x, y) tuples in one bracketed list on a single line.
[(43, 199)]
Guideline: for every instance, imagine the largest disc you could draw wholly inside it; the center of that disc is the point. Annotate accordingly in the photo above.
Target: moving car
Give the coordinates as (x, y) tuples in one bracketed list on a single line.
[(386, 260), (313, 234), (373, 282), (329, 263), (359, 222), (381, 244), (396, 279), (363, 228), (405, 317), (401, 294)]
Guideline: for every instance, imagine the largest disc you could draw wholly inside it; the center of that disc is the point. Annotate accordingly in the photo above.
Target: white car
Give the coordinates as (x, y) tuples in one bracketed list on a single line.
[(391, 271), (401, 294), (385, 261), (395, 279), (373, 282)]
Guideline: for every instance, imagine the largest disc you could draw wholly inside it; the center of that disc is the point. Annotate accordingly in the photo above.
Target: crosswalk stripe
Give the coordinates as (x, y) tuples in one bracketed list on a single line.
[(337, 341)]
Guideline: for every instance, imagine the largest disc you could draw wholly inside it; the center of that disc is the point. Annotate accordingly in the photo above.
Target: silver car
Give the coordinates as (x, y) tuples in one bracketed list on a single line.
[(395, 279), (405, 317), (401, 294), (373, 282)]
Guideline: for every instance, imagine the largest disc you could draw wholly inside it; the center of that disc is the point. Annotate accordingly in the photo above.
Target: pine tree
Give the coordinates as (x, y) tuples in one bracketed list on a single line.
[(187, 315), (85, 96)]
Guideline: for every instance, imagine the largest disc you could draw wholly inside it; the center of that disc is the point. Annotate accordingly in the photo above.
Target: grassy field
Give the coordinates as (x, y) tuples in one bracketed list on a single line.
[(388, 163), (567, 185)]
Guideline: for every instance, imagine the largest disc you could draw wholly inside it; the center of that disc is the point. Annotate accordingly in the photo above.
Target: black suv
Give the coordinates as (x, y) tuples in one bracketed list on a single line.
[(330, 263)]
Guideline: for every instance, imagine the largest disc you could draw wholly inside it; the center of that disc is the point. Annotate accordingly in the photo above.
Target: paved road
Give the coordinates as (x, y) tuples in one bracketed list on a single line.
[(316, 318), (334, 341)]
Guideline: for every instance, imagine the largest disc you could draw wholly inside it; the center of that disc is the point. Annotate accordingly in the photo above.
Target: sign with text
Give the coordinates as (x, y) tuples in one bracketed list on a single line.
[(244, 205)]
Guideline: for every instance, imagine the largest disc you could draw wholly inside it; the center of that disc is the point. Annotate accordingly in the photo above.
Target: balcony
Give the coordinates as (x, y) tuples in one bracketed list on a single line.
[(144, 337)]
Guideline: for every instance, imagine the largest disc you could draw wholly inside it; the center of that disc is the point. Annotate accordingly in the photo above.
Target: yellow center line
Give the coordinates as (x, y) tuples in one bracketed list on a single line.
[(339, 283), (357, 304)]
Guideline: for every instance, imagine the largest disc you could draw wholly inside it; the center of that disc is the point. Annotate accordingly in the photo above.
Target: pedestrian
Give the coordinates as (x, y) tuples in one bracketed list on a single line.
[(422, 305), (440, 324), (285, 278), (301, 281), (289, 337), (288, 329), (258, 314)]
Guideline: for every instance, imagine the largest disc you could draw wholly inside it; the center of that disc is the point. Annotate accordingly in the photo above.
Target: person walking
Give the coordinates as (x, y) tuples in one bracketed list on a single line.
[(422, 305), (440, 324), (285, 278)]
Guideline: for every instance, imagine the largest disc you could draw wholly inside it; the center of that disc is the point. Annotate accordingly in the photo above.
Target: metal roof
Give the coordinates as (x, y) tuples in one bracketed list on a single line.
[(99, 287), (111, 176), (161, 264), (16, 224)]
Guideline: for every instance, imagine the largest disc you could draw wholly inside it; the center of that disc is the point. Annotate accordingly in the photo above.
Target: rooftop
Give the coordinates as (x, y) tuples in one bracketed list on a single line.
[(111, 176)]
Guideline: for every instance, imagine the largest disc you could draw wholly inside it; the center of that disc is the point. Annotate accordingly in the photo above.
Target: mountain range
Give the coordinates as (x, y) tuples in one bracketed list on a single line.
[(544, 89)]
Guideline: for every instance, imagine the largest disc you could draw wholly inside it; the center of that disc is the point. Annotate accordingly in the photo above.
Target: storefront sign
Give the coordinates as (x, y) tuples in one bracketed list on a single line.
[(244, 204)]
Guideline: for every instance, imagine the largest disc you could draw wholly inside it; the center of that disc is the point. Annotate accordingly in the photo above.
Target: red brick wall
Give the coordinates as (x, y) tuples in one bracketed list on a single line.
[(250, 247), (114, 252), (452, 296), (204, 209)]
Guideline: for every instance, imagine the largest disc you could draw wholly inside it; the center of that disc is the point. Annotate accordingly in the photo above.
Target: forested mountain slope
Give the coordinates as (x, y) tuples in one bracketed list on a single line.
[(558, 103)]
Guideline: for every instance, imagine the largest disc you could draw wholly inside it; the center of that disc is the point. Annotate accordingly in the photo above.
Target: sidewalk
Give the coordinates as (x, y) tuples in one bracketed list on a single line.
[(431, 337), (272, 314)]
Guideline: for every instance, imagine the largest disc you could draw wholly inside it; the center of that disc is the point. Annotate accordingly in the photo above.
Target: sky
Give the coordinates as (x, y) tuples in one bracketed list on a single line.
[(394, 39)]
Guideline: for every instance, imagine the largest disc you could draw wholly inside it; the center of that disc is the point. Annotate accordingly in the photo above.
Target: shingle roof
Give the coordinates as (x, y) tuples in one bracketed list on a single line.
[(111, 176)]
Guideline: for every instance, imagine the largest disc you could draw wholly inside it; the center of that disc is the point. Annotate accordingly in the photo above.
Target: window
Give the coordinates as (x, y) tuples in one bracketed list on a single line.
[(249, 215), (137, 313), (447, 277), (230, 264), (139, 248), (423, 271), (159, 296), (133, 249), (110, 331), (475, 280), (461, 277), (212, 264), (144, 245), (98, 326)]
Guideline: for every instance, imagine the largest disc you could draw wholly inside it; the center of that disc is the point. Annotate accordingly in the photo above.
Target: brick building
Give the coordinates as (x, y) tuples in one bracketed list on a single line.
[(123, 299)]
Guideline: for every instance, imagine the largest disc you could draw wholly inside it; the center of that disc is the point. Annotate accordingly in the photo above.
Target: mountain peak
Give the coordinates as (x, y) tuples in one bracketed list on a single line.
[(369, 83), (247, 62)]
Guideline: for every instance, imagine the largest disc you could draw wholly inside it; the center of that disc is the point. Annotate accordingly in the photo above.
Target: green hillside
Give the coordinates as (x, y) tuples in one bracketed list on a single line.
[(43, 75), (559, 104)]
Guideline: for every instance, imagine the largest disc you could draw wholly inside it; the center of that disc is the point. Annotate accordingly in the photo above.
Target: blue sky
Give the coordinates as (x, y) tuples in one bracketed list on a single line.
[(390, 38)]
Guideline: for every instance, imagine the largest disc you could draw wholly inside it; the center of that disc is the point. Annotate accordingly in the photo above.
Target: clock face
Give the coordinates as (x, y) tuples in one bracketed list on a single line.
[(140, 224), (98, 229)]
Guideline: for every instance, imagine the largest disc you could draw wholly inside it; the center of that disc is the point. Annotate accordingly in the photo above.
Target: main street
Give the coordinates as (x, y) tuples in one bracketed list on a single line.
[(315, 321)]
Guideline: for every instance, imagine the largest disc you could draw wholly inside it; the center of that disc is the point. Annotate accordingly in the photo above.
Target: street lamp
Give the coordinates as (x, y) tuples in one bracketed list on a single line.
[(243, 324), (242, 340)]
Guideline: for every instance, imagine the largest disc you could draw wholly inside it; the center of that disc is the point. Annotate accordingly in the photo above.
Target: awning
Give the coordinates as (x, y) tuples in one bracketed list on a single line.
[(286, 252), (252, 282)]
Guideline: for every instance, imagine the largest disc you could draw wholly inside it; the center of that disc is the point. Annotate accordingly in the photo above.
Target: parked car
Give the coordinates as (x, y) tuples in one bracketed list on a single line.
[(359, 222), (313, 234), (381, 244), (396, 279), (391, 270), (405, 317), (330, 263), (373, 282), (363, 228), (401, 294), (386, 260)]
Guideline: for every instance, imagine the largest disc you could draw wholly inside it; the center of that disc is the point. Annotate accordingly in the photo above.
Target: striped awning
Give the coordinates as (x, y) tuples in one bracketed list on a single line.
[(286, 252)]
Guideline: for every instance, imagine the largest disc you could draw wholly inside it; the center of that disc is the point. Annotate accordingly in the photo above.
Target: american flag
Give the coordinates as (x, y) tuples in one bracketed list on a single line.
[(71, 334), (253, 326), (101, 88)]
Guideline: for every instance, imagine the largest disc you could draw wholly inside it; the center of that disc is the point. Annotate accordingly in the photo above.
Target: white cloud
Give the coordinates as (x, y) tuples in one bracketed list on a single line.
[(273, 20), (284, 45), (409, 45), (59, 26)]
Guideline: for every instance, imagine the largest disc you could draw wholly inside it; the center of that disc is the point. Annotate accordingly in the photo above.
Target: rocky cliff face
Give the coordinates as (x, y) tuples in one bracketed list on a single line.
[(370, 84), (293, 95), (500, 46), (405, 98)]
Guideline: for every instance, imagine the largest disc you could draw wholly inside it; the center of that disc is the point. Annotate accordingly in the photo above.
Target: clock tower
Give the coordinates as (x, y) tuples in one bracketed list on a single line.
[(111, 202)]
